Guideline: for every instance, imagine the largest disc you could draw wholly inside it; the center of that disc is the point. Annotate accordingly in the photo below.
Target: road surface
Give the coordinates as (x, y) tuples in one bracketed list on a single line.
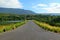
[(29, 31)]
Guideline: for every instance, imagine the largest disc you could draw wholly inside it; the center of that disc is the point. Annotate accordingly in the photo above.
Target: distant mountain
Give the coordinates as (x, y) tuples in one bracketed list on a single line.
[(50, 13), (16, 11), (55, 14)]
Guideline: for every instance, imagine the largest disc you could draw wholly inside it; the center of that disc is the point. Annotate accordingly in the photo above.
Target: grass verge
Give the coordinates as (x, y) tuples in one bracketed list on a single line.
[(11, 26), (48, 27)]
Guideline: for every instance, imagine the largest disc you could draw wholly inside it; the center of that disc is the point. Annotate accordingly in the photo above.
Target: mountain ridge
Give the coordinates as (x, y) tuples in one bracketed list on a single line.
[(16, 11)]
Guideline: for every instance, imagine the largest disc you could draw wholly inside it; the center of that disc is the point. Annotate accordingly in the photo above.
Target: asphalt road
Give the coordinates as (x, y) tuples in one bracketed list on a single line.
[(29, 31)]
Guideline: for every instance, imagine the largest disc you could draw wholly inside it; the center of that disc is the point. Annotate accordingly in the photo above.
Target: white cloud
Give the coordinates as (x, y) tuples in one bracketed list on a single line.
[(10, 4), (50, 8), (41, 5), (53, 8)]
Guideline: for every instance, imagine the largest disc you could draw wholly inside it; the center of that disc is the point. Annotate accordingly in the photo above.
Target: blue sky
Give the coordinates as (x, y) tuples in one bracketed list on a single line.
[(28, 4), (38, 6)]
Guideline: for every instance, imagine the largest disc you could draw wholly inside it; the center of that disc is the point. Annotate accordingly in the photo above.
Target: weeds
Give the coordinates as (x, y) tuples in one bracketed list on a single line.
[(11, 26), (48, 27)]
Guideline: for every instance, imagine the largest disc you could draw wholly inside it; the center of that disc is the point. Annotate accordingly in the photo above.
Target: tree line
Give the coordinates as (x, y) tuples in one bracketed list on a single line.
[(53, 20)]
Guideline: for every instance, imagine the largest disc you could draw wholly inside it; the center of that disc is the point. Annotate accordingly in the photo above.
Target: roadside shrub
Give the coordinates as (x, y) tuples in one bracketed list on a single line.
[(11, 26), (48, 27), (1, 28)]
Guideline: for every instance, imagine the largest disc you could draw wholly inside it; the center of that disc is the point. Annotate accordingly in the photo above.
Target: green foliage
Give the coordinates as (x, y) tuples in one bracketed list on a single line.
[(50, 19), (11, 26), (10, 17), (48, 22), (55, 22), (48, 27)]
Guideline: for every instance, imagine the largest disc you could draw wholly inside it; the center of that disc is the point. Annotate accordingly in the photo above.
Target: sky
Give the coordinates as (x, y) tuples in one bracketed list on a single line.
[(38, 6)]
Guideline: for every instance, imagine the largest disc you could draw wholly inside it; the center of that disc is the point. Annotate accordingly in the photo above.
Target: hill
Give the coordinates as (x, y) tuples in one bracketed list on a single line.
[(50, 14), (16, 11)]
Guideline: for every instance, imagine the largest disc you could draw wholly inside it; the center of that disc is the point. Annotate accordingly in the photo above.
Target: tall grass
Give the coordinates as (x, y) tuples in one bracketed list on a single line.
[(11, 26), (48, 27), (1, 28)]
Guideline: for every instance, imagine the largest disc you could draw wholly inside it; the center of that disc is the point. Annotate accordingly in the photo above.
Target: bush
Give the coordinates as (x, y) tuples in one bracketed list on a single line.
[(11, 26), (48, 27)]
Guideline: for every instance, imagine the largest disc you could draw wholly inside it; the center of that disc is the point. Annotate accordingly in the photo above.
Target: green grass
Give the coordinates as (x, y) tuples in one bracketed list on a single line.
[(11, 26), (48, 27)]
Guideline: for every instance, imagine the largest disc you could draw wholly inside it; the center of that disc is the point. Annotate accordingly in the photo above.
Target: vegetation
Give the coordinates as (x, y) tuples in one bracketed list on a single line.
[(53, 20), (16, 21), (48, 22), (11, 26), (48, 27)]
